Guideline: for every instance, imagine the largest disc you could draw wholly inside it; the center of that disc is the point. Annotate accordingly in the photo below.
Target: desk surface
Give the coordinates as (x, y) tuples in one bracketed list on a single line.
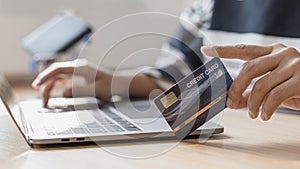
[(245, 144)]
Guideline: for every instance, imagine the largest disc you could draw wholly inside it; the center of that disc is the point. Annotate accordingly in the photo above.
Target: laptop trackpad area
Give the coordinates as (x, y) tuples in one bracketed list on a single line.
[(138, 109)]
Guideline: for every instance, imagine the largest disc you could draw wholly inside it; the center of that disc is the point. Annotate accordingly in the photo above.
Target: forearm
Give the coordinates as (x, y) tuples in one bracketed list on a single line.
[(134, 85), (142, 85)]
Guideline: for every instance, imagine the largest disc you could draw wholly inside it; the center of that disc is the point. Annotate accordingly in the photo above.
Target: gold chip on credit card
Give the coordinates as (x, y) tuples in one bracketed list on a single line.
[(169, 99)]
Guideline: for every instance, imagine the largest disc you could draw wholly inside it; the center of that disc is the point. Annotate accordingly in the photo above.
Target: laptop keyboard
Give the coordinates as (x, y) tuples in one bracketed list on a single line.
[(101, 122), (128, 126)]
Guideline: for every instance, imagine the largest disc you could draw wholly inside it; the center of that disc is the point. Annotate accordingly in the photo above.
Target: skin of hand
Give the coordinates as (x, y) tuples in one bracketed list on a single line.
[(99, 82), (279, 69)]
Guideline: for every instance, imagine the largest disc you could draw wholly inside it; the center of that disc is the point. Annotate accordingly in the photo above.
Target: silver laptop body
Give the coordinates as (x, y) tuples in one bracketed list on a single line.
[(81, 120)]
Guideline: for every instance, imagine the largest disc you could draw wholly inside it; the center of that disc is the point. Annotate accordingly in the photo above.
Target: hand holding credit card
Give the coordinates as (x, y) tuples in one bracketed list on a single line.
[(196, 98)]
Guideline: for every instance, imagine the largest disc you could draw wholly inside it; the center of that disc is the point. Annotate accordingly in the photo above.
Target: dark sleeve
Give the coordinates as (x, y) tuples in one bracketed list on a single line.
[(189, 46)]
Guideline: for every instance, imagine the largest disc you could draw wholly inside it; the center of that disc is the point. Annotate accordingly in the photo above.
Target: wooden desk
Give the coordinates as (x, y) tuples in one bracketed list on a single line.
[(245, 144)]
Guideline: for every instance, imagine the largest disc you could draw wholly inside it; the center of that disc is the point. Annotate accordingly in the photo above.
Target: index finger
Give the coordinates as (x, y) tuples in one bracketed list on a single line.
[(66, 67), (51, 72), (244, 52)]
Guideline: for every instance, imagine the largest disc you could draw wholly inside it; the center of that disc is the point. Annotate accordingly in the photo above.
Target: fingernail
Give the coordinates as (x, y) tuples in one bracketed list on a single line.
[(229, 103), (208, 50), (67, 93), (35, 83), (264, 117), (251, 115)]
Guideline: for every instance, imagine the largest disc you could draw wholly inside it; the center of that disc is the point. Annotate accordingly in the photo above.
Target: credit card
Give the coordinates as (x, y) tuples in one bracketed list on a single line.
[(196, 98)]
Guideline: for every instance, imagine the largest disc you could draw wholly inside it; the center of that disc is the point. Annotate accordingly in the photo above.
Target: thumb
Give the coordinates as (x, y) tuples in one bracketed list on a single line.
[(67, 92), (88, 90)]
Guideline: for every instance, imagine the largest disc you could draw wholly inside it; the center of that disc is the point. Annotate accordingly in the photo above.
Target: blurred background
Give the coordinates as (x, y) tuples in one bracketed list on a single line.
[(19, 18)]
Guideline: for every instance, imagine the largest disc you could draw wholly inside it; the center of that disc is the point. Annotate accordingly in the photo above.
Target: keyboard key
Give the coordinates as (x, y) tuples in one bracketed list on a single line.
[(133, 129), (114, 128), (80, 130), (50, 132), (93, 125), (111, 114), (110, 125), (97, 130)]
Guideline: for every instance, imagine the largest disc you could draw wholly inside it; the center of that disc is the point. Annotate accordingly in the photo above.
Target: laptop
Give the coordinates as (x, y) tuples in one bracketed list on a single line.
[(85, 119)]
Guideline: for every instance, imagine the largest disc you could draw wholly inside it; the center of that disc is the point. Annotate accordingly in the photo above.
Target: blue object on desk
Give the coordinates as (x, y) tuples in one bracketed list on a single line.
[(55, 36), (33, 66)]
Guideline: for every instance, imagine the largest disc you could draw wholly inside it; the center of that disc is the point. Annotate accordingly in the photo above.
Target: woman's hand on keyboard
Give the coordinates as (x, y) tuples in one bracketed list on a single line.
[(66, 73), (99, 83)]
